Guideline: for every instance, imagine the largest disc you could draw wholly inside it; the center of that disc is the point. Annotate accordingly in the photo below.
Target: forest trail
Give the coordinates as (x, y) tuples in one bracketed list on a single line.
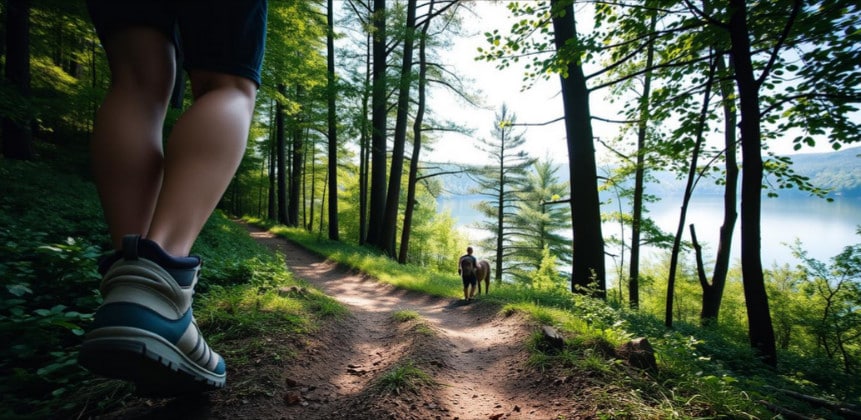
[(474, 354)]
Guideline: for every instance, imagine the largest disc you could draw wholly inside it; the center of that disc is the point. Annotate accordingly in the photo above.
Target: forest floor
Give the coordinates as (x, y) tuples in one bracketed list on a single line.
[(473, 353)]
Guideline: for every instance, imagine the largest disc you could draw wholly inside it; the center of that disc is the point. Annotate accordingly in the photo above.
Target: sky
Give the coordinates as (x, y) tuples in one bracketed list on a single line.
[(539, 104)]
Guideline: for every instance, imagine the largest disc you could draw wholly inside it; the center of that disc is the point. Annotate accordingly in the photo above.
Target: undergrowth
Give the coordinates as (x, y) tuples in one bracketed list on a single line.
[(52, 234), (702, 372)]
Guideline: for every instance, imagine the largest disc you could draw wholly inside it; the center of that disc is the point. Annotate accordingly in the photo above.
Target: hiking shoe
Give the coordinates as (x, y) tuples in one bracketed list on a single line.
[(145, 332)]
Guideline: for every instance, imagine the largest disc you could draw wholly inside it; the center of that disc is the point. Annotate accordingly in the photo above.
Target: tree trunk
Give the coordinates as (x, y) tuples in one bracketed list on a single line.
[(308, 202), (393, 196), (298, 159), (332, 175), (588, 242), (760, 329), (713, 293), (378, 129), (364, 151), (274, 162), (500, 205), (637, 217), (17, 132), (281, 153), (689, 190), (417, 145)]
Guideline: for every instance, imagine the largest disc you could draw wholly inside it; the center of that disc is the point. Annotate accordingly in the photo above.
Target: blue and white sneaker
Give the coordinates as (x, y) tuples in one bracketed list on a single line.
[(145, 332)]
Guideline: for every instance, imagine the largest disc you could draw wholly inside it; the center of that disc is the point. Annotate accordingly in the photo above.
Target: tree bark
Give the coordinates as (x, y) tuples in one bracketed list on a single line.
[(17, 132), (417, 144), (298, 159), (637, 217), (378, 128), (281, 158), (588, 242), (760, 329), (364, 150), (713, 293), (689, 190), (272, 207), (332, 176), (393, 196)]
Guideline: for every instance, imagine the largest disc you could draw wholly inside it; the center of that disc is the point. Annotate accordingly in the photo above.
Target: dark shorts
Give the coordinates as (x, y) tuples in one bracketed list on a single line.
[(469, 280), (224, 36)]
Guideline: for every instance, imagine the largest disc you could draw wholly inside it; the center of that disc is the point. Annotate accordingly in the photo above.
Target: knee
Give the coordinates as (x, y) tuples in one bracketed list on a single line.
[(204, 82)]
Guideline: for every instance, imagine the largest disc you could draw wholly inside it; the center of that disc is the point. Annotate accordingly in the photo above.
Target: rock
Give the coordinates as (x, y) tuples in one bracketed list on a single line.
[(291, 291), (292, 398), (639, 354), (551, 341)]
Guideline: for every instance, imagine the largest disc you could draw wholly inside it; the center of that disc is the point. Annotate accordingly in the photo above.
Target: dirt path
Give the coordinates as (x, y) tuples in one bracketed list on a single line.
[(474, 355)]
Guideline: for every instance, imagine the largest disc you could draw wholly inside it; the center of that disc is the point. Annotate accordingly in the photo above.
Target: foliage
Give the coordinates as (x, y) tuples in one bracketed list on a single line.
[(501, 182), (702, 371), (540, 224), (376, 264), (51, 237), (831, 296), (434, 235), (48, 255)]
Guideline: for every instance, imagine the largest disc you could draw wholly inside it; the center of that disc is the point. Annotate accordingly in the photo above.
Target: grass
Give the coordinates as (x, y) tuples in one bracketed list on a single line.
[(404, 315), (701, 373), (405, 377), (408, 315), (51, 232), (51, 235)]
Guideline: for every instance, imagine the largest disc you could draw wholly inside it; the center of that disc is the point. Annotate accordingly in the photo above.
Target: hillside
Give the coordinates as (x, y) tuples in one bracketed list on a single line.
[(838, 171), (399, 343)]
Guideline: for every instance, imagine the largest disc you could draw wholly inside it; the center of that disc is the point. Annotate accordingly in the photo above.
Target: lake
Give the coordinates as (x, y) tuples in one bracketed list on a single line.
[(823, 228)]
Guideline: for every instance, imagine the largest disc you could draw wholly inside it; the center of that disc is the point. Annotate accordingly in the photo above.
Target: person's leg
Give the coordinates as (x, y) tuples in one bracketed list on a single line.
[(202, 154), (126, 146)]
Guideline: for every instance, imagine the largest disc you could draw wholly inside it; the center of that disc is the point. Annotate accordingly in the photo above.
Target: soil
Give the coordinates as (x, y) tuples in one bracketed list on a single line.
[(473, 352)]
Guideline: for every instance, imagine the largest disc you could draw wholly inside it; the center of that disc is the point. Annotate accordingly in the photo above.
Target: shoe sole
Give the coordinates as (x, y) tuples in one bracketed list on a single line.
[(156, 367)]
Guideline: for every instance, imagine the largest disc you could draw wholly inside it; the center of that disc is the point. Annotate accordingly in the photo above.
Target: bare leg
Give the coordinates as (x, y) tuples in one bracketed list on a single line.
[(203, 152), (127, 142)]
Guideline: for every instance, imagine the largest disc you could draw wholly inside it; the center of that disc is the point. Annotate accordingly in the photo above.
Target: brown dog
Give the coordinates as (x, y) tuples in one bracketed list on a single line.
[(482, 272)]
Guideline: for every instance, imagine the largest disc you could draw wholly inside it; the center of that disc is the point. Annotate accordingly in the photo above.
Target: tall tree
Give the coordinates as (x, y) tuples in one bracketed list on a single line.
[(393, 196), (690, 183), (556, 24), (379, 109), (281, 158), (761, 331), (332, 123), (713, 291), (500, 182), (640, 175), (417, 141), (297, 160), (588, 248), (17, 133), (536, 227)]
